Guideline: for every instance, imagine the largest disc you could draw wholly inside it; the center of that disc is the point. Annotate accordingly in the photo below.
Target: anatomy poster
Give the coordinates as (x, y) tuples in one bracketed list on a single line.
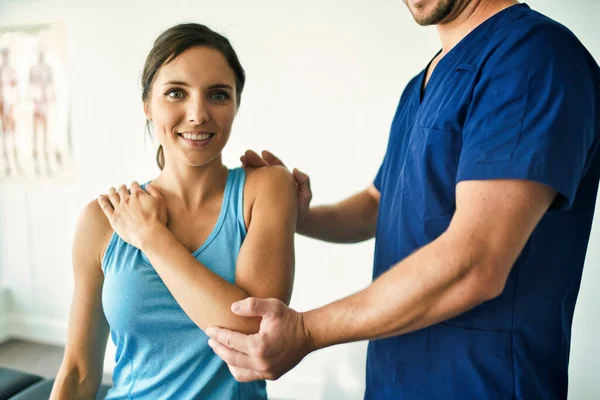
[(35, 141)]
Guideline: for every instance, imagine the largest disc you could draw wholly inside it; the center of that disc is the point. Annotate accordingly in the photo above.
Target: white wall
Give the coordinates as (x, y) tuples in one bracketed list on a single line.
[(324, 78)]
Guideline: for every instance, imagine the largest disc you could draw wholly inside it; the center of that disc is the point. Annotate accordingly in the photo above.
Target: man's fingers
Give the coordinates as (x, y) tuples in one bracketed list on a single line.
[(303, 181), (254, 160), (232, 357), (271, 158), (234, 340), (301, 177), (105, 206), (253, 307), (244, 374), (113, 196)]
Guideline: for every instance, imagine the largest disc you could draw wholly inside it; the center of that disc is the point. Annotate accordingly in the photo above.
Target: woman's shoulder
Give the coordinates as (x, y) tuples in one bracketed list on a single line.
[(273, 186), (271, 176), (93, 216), (93, 229)]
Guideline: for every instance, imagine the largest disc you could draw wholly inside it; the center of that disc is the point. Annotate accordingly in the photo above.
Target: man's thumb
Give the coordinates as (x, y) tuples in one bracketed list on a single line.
[(300, 177), (252, 307)]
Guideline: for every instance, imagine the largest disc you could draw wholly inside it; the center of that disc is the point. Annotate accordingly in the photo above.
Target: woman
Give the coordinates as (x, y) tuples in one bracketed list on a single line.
[(184, 247)]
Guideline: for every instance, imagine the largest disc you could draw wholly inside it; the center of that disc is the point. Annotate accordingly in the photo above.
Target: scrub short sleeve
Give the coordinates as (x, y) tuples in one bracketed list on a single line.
[(532, 116), (377, 181)]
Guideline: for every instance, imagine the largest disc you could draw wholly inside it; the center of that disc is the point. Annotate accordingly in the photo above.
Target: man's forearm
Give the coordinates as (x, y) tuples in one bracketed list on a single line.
[(430, 286), (349, 221)]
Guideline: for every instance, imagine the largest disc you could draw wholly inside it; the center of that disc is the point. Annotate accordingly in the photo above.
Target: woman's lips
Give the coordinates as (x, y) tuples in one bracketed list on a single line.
[(196, 139)]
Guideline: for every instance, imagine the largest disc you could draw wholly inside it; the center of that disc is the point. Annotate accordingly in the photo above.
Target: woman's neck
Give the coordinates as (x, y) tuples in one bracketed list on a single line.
[(190, 187)]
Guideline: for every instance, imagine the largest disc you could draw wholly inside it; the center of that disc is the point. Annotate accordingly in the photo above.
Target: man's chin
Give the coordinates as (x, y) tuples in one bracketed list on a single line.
[(425, 20), (432, 14)]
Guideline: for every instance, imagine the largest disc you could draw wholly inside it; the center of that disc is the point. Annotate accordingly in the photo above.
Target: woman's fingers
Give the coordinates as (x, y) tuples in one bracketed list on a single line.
[(123, 193), (114, 197), (154, 192), (135, 187), (105, 206)]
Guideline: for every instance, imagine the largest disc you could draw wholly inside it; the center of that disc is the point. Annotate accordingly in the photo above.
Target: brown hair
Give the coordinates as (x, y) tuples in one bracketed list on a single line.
[(174, 41)]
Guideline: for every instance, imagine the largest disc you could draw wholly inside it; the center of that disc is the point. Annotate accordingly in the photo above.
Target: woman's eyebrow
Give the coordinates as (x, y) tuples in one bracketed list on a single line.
[(214, 86), (180, 83), (220, 86)]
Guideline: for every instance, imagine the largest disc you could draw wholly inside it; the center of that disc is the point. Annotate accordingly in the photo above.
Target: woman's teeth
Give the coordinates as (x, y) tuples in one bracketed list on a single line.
[(196, 136)]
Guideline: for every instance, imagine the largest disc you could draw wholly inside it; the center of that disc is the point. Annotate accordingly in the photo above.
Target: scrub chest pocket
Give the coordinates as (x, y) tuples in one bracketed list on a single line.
[(429, 171)]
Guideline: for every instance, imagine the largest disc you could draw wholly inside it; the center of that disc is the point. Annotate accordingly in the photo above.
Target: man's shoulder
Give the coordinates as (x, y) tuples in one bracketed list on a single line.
[(533, 33), (532, 43)]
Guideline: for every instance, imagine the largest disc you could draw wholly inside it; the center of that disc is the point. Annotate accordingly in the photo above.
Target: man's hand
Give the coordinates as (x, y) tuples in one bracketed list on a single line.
[(281, 343), (134, 213), (252, 159)]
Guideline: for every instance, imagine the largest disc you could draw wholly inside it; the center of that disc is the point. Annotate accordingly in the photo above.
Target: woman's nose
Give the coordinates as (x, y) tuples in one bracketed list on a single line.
[(198, 112)]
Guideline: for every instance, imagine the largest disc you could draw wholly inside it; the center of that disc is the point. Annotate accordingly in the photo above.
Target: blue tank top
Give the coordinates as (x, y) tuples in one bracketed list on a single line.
[(161, 353)]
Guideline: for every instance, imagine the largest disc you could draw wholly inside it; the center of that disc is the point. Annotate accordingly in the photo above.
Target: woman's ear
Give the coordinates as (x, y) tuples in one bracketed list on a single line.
[(147, 111)]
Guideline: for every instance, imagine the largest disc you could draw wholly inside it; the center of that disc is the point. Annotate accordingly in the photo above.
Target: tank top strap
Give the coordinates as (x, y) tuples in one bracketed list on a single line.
[(232, 215), (236, 201)]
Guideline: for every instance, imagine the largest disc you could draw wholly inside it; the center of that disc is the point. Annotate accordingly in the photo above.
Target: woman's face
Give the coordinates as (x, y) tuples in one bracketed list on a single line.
[(192, 105)]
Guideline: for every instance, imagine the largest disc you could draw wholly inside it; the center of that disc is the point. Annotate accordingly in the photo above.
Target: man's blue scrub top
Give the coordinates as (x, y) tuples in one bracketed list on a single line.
[(518, 98)]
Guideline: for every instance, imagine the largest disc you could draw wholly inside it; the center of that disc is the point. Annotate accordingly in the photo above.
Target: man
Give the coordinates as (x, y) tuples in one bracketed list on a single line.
[(481, 211)]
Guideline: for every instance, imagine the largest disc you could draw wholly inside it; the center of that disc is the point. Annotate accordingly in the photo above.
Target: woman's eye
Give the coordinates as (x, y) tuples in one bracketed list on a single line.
[(175, 94), (220, 96)]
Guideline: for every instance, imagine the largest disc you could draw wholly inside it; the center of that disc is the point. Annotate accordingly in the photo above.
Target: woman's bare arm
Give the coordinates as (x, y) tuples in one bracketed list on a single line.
[(266, 258), (80, 374)]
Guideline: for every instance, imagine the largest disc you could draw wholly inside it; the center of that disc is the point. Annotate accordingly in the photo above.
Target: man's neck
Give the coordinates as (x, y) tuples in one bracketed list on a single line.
[(467, 19)]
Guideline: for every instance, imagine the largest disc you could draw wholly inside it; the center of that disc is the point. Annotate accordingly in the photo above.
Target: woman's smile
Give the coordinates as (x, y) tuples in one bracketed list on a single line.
[(196, 138), (192, 106)]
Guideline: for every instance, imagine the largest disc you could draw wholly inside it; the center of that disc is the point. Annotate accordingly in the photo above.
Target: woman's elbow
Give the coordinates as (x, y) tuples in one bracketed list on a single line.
[(247, 325), (72, 382)]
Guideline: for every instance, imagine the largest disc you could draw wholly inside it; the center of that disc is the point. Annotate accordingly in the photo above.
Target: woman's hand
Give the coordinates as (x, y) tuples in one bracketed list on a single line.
[(136, 215)]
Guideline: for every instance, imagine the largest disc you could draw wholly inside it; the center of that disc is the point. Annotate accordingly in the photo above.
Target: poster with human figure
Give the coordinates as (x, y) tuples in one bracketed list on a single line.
[(34, 106)]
